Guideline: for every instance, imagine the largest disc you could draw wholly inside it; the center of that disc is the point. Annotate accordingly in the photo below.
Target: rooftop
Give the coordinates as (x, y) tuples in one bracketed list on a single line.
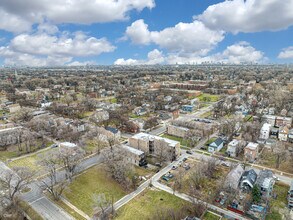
[(131, 149)]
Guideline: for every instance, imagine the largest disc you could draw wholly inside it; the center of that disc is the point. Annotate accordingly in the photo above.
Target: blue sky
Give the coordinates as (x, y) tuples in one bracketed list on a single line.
[(131, 32)]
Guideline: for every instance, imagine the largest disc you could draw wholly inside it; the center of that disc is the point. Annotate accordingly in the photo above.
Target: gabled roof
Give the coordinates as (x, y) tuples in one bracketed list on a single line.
[(113, 130), (249, 177), (217, 142)]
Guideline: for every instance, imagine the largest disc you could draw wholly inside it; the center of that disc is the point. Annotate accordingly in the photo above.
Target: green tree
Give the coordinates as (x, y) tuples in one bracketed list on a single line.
[(256, 194)]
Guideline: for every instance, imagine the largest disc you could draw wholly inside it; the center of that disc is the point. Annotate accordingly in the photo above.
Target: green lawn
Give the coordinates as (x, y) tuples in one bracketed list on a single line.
[(29, 161), (93, 181), (210, 216), (147, 203), (210, 141), (66, 208), (279, 203), (208, 98), (113, 100), (282, 191), (179, 139), (206, 115)]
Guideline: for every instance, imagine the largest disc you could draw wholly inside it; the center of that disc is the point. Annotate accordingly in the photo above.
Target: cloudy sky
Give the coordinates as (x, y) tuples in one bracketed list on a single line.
[(131, 32)]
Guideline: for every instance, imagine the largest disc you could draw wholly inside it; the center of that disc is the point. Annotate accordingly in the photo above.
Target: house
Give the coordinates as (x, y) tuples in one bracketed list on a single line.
[(101, 115), (151, 144), (270, 119), (217, 145), (290, 196), (177, 131), (9, 136), (114, 131), (274, 132), (233, 177), (283, 121), (187, 108), (248, 180), (233, 148), (283, 133), (66, 147), (265, 131), (290, 136), (265, 181), (13, 108), (251, 151), (134, 156)]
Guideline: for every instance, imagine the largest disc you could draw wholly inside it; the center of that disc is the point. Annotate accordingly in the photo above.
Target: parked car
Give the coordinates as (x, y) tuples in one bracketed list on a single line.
[(174, 167), (54, 145), (165, 178), (188, 152), (184, 159), (158, 164)]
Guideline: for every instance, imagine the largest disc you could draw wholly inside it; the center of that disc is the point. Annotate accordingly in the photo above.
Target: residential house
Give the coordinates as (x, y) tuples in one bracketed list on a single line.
[(217, 145), (265, 181), (233, 148), (101, 115), (290, 196), (248, 179), (251, 151), (151, 144), (13, 108), (9, 136), (274, 132), (114, 131), (283, 121), (234, 176), (177, 131), (265, 131), (134, 156), (187, 108), (290, 136), (270, 119), (283, 133)]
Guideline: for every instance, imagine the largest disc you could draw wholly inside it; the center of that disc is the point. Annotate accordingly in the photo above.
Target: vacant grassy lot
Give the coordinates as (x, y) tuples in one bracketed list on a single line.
[(29, 161), (179, 139), (280, 202), (210, 216), (93, 181), (147, 203), (208, 98)]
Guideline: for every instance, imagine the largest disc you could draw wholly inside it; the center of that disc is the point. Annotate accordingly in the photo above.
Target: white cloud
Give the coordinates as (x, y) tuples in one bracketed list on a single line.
[(183, 38), (286, 53), (241, 52), (78, 63), (41, 48), (154, 57), (19, 15), (249, 16)]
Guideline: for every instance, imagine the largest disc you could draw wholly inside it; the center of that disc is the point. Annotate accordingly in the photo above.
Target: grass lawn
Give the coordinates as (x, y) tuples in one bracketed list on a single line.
[(113, 100), (30, 211), (4, 155), (179, 139), (208, 98), (210, 216), (66, 208), (282, 191), (206, 115), (147, 203), (93, 181), (29, 161), (210, 141), (280, 202)]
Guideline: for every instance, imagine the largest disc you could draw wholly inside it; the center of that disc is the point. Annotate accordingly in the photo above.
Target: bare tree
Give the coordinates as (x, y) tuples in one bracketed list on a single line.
[(103, 206), (50, 162), (13, 182), (70, 159), (117, 166)]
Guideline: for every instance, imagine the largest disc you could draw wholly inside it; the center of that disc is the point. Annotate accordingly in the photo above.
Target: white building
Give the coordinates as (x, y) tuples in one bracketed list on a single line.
[(232, 148), (265, 131)]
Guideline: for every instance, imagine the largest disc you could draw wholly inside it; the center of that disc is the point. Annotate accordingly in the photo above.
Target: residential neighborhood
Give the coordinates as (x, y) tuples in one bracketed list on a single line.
[(84, 155)]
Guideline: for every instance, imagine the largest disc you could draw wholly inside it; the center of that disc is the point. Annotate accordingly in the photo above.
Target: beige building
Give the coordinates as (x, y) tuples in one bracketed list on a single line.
[(151, 144), (177, 131), (134, 156)]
